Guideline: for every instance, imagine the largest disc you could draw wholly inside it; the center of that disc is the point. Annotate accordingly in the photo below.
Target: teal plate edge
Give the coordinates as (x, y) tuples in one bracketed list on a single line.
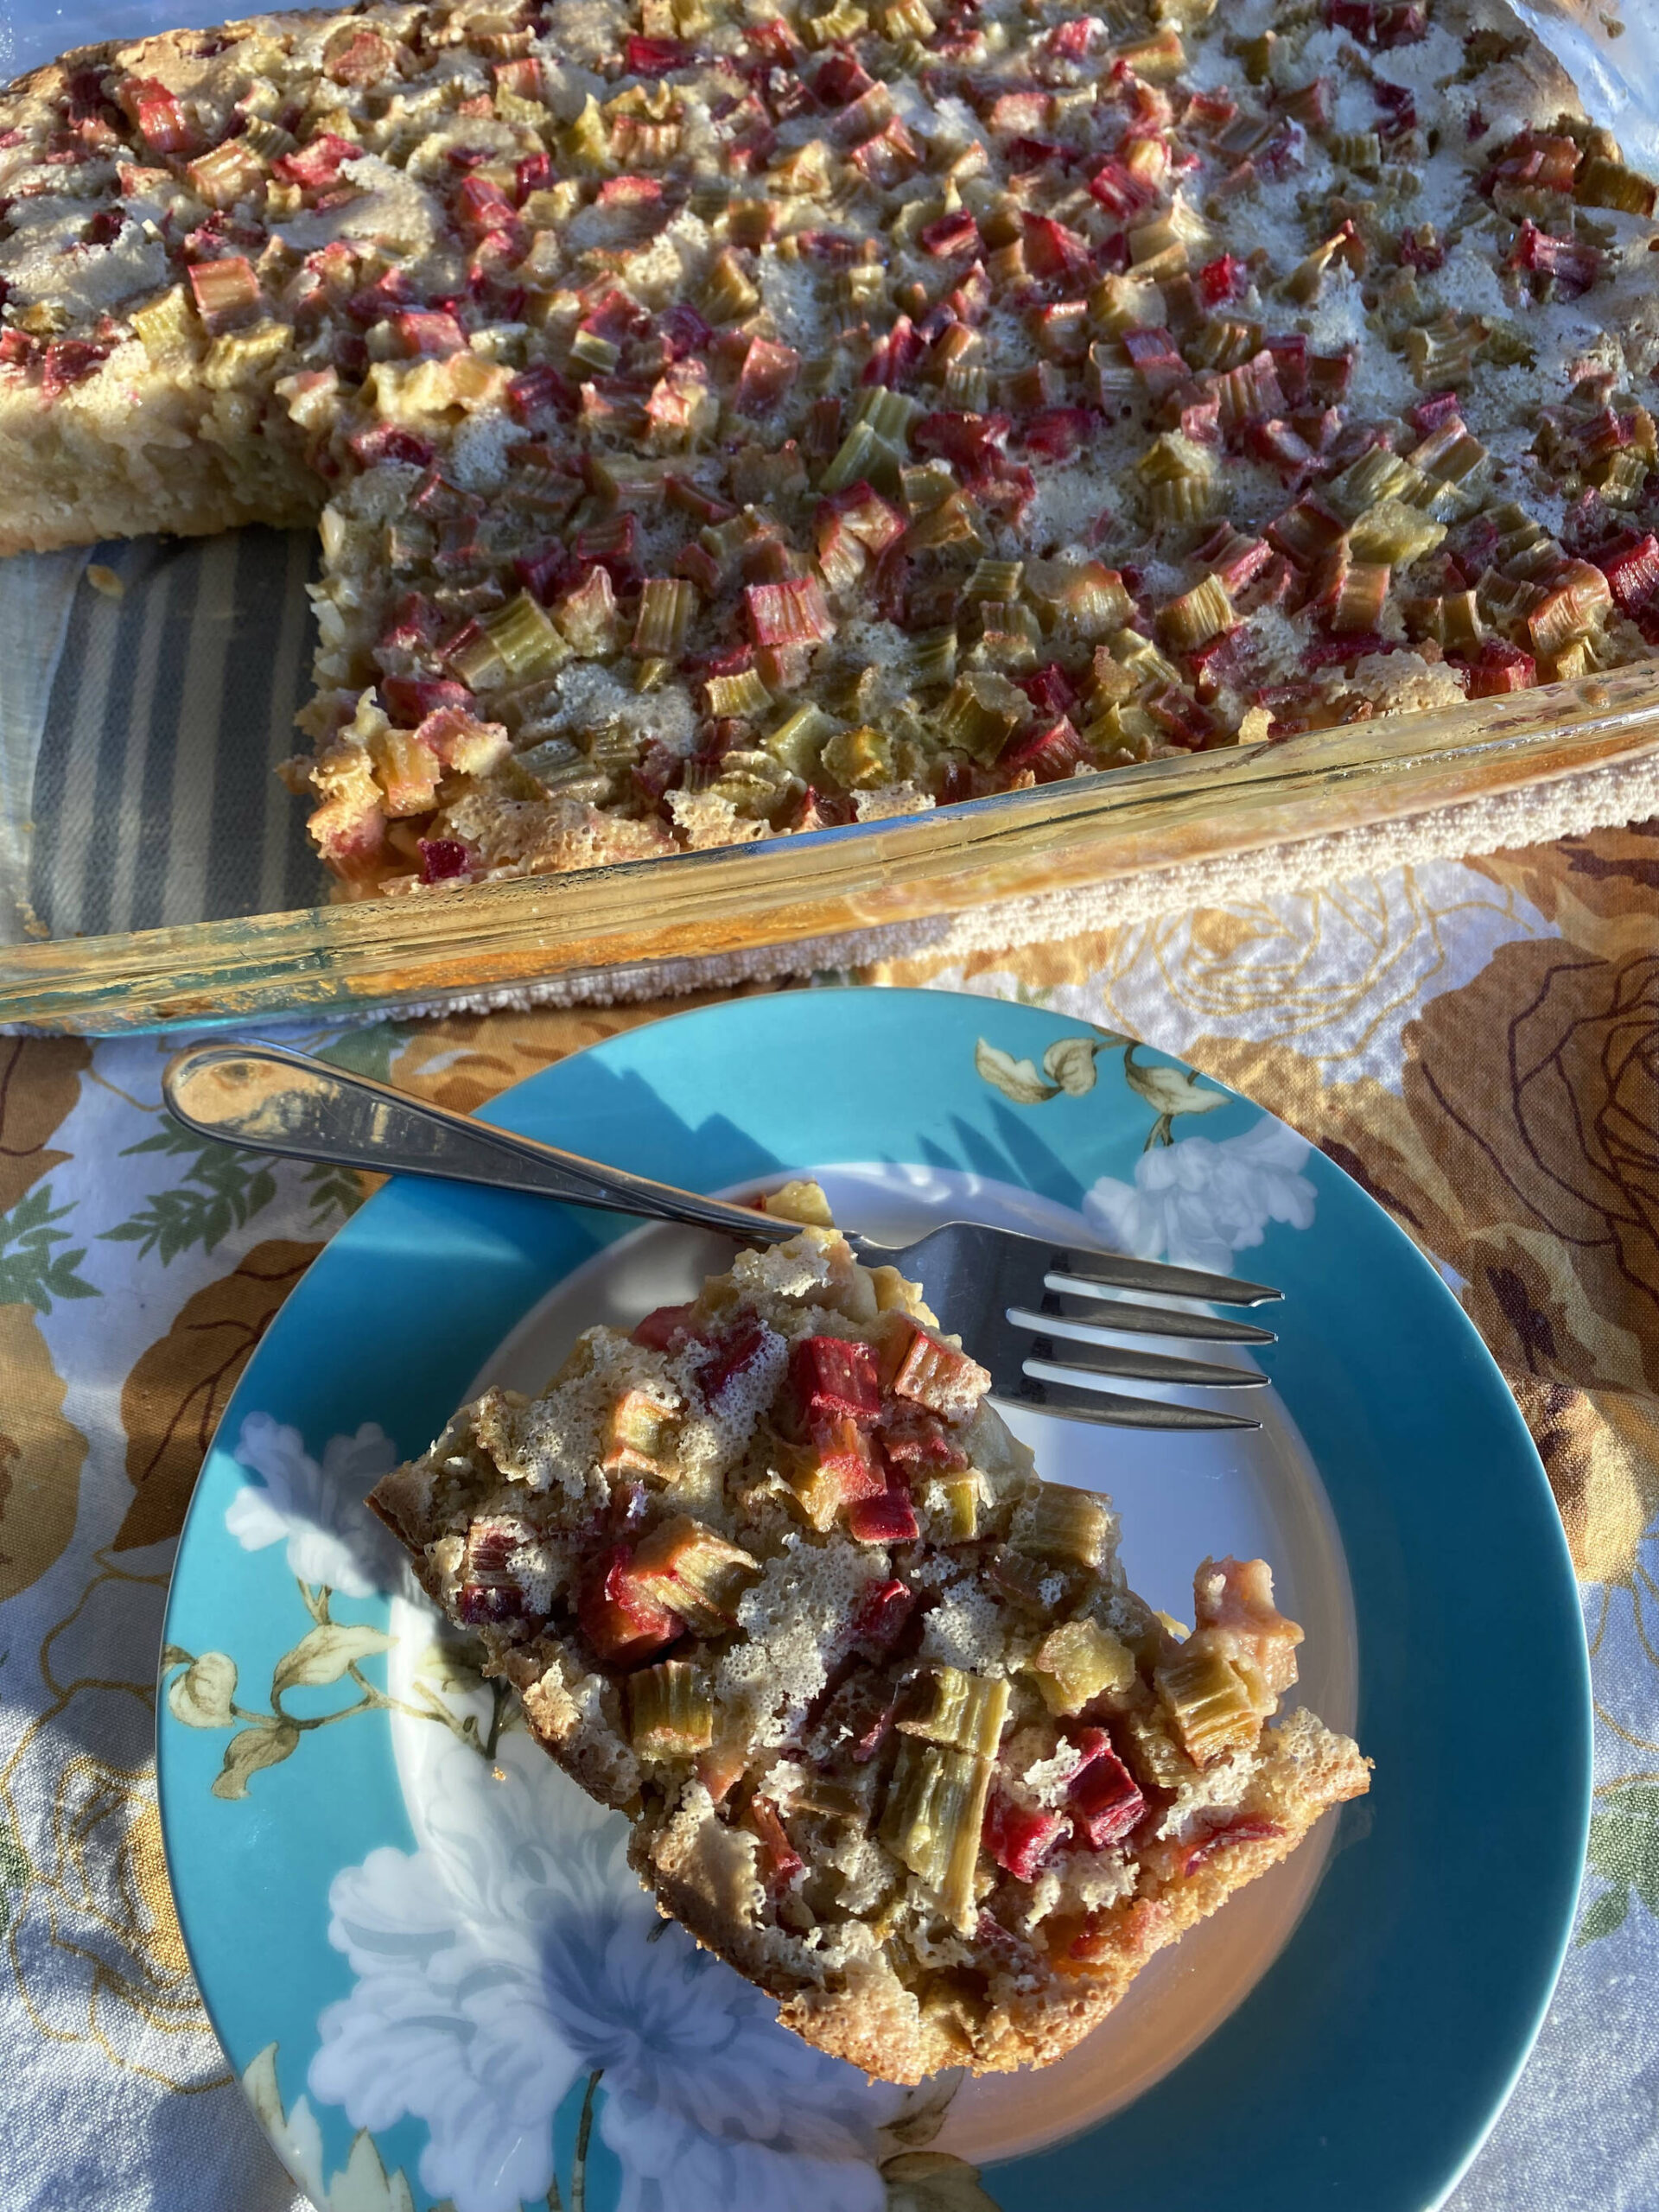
[(1367, 2066)]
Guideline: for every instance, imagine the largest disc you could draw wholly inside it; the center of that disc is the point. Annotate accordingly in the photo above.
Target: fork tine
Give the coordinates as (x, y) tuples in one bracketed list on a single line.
[(1112, 1410), (1106, 1314), (1084, 1272), (1129, 1363)]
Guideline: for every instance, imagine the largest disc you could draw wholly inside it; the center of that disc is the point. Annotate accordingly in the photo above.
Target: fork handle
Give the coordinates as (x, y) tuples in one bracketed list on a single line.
[(273, 1100)]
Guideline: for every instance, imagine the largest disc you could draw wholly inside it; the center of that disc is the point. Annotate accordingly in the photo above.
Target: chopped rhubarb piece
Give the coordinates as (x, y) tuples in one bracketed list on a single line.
[(317, 164), (1202, 1849), (1182, 720), (226, 292), (482, 208), (1549, 162), (731, 1357), (1222, 280), (1050, 753), (887, 1518), (533, 171), (695, 1573), (442, 858), (932, 1374), (894, 357), (793, 612), (538, 392), (1234, 559), (1499, 667), (488, 1604), (490, 1593), (1156, 361), (883, 1612), (154, 113), (913, 1439), (1104, 1798), (1120, 192), (767, 373), (666, 1328), (1630, 565), (1289, 352), (640, 1437), (1049, 687), (830, 1377), (1399, 107), (845, 1459), (618, 1616), (1572, 267), (1056, 433), (411, 698), (1377, 26), (841, 81), (1018, 1838), (950, 235), (69, 361), (1306, 532), (780, 1860), (422, 332), (390, 442), (774, 40), (1052, 250), (1329, 376)]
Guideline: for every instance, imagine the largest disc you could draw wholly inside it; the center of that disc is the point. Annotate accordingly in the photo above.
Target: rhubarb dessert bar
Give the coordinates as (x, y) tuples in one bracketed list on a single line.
[(891, 1733), (731, 417)]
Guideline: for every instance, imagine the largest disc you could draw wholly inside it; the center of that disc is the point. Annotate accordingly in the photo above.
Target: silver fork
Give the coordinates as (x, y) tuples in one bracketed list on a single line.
[(1016, 1302)]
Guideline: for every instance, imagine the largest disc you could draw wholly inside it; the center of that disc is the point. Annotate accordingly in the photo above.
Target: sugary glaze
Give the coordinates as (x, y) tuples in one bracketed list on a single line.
[(728, 419), (894, 1736)]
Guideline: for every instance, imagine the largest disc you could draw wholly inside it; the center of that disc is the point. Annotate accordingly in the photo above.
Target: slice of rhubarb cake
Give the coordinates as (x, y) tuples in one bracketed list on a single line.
[(894, 1736)]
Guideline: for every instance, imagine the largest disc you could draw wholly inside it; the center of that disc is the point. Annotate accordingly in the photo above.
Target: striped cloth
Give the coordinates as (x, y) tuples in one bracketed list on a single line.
[(155, 793)]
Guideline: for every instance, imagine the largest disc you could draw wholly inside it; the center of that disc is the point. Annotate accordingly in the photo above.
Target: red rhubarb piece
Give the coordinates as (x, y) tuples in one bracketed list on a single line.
[(879, 1618), (781, 1862), (845, 1454), (1203, 1848), (1498, 668), (887, 1518), (1103, 1795), (664, 1329), (912, 1437), (1018, 1838), (619, 1616), (411, 699), (831, 1377), (442, 858), (731, 1357), (1630, 565)]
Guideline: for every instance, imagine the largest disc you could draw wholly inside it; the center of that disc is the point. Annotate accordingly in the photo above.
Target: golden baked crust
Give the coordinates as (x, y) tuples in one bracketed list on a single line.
[(724, 424), (892, 1734)]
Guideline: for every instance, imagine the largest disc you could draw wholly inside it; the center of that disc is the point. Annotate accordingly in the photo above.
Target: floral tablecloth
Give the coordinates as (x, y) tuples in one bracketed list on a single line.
[(1477, 1043)]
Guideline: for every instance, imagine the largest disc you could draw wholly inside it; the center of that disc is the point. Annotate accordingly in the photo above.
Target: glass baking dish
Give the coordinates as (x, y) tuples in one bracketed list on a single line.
[(161, 877), (591, 929)]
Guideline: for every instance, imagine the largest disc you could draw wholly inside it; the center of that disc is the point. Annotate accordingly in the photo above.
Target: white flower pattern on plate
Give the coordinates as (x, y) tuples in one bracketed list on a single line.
[(318, 1510), (1198, 1202), (513, 1954)]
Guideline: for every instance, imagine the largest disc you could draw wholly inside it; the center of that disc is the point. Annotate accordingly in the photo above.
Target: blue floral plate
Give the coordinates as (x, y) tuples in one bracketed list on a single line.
[(421, 1945)]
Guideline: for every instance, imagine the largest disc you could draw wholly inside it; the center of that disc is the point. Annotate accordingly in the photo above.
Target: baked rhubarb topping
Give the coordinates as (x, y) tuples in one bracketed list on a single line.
[(773, 1579), (728, 421)]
